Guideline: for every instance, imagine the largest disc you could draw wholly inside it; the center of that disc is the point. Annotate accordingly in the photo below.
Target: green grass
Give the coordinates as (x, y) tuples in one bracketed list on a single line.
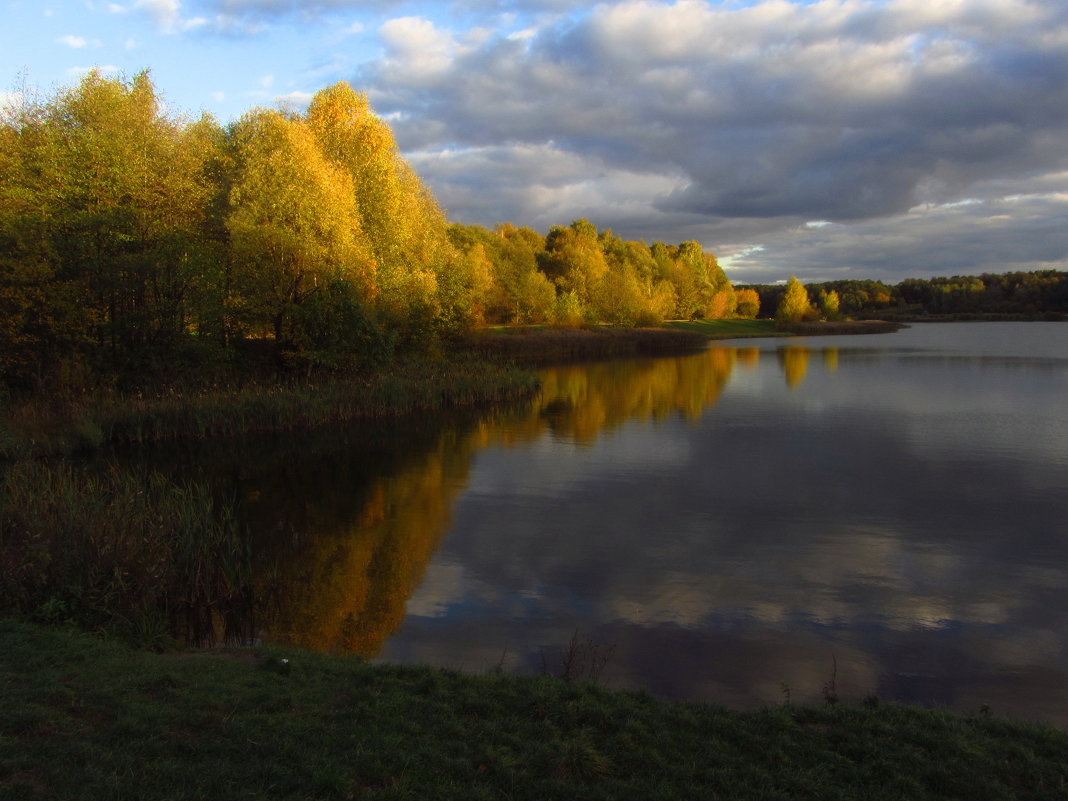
[(728, 329), (84, 718)]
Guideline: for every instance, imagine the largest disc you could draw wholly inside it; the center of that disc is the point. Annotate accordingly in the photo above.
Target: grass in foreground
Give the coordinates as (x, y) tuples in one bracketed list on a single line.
[(88, 719)]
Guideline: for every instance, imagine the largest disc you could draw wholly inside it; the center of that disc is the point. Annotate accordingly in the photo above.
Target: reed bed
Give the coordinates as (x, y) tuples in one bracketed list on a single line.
[(112, 550), (43, 428)]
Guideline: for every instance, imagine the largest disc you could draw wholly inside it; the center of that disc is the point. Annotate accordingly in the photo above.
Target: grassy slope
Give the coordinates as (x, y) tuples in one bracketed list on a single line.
[(87, 719)]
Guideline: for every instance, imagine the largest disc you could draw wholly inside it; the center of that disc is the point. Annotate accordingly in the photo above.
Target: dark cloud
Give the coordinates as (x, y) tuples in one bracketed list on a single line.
[(718, 118), (277, 8)]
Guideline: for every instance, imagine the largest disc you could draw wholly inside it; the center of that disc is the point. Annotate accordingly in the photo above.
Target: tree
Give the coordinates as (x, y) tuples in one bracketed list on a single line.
[(106, 201), (417, 266), (829, 303), (795, 305), (748, 302), (575, 261), (293, 224)]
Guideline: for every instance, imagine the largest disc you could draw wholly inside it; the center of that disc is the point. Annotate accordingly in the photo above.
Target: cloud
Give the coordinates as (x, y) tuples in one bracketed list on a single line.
[(10, 104), (165, 13), (734, 122), (417, 52), (170, 18), (264, 9), (999, 234), (73, 41), (539, 185), (293, 101)]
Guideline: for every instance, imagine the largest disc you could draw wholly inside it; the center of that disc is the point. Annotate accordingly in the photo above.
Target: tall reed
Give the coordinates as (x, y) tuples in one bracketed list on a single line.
[(119, 551), (33, 429)]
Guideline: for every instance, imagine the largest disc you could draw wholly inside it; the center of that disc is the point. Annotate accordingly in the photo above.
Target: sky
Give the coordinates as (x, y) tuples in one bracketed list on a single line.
[(881, 139)]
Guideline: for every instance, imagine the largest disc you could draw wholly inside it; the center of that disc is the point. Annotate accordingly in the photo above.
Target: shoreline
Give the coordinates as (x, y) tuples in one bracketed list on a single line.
[(844, 327), (41, 427)]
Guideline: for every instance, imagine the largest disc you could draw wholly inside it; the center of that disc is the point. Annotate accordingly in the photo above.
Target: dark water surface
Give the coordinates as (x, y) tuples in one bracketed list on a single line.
[(733, 526)]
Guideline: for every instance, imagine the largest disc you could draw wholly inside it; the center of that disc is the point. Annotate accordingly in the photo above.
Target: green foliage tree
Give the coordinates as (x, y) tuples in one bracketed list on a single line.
[(111, 198), (829, 304)]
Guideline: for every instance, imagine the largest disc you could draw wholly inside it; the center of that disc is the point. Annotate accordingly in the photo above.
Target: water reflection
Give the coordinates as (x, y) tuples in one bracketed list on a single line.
[(899, 519), (729, 521), (794, 363), (343, 536), (337, 573)]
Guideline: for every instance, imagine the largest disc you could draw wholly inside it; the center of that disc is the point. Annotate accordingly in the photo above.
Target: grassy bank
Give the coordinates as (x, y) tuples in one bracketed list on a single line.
[(42, 427), (87, 719), (543, 346), (727, 329), (736, 329)]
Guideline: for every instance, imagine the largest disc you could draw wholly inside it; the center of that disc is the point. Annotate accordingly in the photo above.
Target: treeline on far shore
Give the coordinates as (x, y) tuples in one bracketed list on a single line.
[(1034, 295), (140, 249)]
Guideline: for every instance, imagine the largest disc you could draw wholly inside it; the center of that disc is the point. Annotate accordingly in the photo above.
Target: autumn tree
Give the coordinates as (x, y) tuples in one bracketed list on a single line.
[(420, 275), (795, 305), (111, 198), (43, 317), (748, 301), (829, 303), (530, 293), (293, 224)]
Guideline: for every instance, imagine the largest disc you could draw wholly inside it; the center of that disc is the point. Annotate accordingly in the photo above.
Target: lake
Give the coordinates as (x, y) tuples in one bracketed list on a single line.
[(768, 520)]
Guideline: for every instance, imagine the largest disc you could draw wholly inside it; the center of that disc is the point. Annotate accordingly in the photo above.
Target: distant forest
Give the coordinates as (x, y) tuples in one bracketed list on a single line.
[(1041, 294), (138, 247)]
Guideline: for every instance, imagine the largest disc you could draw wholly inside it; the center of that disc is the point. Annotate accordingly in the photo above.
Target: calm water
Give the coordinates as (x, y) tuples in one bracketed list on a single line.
[(721, 526)]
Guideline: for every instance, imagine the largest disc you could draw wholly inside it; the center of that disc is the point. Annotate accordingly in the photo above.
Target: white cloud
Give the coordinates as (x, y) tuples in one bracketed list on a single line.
[(293, 101), (416, 50), (10, 103), (76, 42), (167, 14)]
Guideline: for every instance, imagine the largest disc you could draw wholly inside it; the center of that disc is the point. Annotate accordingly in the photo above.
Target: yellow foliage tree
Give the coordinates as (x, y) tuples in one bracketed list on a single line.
[(795, 305), (293, 223), (748, 302), (417, 267)]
